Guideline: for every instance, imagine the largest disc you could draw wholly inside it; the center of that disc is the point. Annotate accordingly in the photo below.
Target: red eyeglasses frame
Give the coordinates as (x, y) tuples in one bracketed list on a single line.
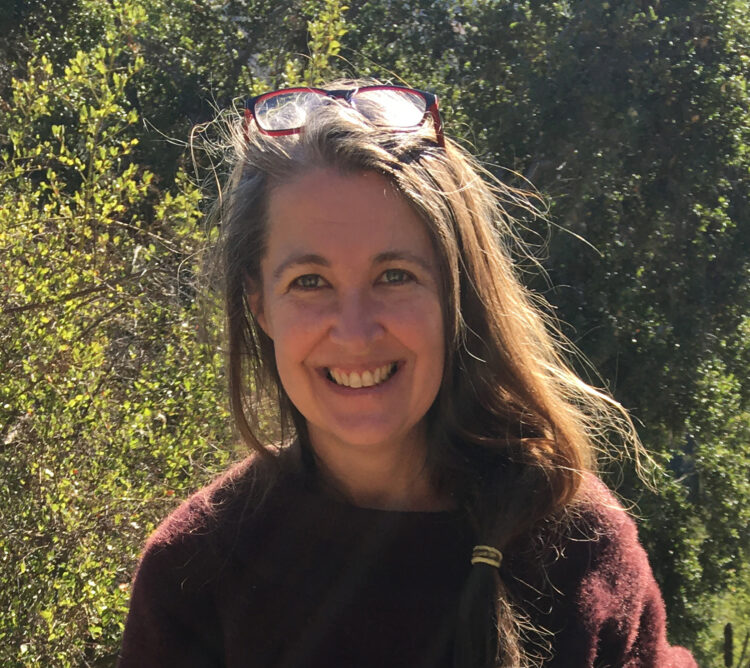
[(431, 107)]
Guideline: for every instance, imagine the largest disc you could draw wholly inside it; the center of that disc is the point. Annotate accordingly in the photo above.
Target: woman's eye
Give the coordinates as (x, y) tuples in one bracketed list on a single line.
[(308, 282), (395, 276)]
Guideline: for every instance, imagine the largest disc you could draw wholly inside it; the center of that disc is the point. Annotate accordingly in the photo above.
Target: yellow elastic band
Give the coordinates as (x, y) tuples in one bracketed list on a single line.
[(485, 554)]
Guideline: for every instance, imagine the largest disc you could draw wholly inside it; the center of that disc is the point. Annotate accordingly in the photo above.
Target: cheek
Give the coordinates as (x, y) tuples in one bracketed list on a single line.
[(433, 327), (295, 329), (421, 326)]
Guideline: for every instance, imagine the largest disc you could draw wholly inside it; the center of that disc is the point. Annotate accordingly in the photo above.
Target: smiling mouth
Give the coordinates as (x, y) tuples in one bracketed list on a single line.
[(368, 378)]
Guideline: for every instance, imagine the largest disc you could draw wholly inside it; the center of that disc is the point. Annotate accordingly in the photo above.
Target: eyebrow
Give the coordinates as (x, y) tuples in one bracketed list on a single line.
[(406, 256), (295, 260)]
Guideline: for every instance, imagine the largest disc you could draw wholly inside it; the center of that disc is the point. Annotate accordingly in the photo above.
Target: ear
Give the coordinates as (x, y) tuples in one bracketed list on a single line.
[(255, 300)]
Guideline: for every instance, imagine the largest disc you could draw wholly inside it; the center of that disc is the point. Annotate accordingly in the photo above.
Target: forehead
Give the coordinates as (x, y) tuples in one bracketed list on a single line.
[(348, 216)]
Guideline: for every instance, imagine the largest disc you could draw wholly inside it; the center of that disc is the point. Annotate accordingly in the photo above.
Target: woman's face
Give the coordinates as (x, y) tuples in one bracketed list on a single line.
[(351, 300)]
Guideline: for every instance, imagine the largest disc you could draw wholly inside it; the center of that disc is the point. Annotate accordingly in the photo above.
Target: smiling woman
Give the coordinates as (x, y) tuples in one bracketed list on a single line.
[(350, 297), (432, 500)]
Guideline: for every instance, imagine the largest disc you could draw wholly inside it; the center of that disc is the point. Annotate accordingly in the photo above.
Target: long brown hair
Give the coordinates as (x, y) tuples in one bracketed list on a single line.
[(513, 427)]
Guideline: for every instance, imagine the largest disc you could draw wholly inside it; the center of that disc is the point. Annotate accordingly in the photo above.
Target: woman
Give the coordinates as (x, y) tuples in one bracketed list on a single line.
[(435, 506)]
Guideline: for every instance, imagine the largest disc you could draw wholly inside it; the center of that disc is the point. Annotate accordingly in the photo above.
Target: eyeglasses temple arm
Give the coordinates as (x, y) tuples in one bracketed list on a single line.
[(246, 125), (437, 123)]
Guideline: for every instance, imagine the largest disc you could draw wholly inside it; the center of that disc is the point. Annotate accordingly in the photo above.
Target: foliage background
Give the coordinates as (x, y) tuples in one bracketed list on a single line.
[(631, 117)]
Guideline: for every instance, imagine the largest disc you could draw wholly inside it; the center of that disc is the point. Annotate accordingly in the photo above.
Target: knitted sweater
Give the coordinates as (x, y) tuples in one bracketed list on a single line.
[(293, 578)]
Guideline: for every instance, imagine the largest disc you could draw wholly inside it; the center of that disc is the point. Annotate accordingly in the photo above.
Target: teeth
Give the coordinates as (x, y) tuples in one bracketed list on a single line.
[(366, 379)]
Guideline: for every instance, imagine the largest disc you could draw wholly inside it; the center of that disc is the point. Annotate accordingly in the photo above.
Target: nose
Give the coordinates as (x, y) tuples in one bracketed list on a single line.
[(357, 322)]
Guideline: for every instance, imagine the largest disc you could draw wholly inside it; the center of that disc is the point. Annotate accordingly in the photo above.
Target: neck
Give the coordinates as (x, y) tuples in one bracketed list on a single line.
[(392, 477)]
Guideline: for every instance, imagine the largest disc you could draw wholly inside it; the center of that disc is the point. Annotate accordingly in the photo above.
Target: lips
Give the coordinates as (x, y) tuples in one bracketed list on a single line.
[(365, 378)]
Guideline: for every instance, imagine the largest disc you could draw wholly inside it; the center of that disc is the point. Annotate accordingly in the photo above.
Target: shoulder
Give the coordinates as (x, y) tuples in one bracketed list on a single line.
[(175, 594), (613, 564), (598, 588), (590, 530), (202, 529), (201, 511), (599, 555), (599, 519)]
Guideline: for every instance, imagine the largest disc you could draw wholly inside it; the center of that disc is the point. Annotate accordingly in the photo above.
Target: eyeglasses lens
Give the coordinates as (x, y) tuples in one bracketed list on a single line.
[(384, 107), (389, 107), (286, 111)]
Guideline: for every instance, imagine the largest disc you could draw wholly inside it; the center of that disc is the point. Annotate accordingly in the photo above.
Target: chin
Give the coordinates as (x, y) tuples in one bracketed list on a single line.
[(363, 436)]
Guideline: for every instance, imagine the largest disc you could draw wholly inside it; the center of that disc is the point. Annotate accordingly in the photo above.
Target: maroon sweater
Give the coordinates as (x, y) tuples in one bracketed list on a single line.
[(293, 578)]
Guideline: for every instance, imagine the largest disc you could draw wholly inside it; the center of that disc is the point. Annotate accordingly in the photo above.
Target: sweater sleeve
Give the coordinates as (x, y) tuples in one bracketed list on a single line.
[(618, 599), (172, 617)]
